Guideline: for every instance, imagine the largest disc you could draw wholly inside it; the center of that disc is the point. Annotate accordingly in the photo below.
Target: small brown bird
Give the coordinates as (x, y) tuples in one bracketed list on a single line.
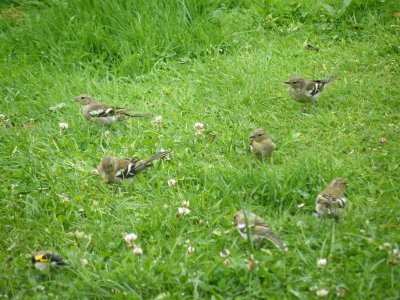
[(104, 114), (262, 144), (42, 260), (311, 47), (305, 91), (112, 169), (259, 230), (331, 201)]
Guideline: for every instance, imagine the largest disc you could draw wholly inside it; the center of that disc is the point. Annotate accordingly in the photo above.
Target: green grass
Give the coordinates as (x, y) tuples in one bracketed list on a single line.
[(221, 63)]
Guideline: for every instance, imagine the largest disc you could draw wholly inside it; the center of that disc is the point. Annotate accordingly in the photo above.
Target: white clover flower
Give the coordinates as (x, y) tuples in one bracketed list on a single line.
[(130, 237), (183, 211), (198, 126), (158, 121), (63, 126), (63, 198), (386, 245), (171, 182), (224, 253), (185, 204), (322, 293), (80, 234), (322, 262), (107, 134), (190, 250), (137, 250), (217, 232), (85, 262)]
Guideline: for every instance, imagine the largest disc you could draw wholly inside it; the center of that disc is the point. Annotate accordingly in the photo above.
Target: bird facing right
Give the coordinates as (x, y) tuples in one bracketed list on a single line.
[(259, 230), (331, 201), (305, 91), (262, 144)]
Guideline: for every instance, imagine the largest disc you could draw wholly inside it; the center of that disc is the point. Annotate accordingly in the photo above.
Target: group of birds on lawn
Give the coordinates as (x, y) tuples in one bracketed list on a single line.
[(330, 202)]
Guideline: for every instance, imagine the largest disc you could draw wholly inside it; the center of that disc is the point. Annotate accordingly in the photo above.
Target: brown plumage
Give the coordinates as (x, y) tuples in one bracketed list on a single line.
[(306, 90), (104, 114), (262, 144), (259, 230), (112, 169), (331, 201)]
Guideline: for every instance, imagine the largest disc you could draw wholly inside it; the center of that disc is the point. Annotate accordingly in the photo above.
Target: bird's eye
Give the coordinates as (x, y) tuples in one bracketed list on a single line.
[(260, 134)]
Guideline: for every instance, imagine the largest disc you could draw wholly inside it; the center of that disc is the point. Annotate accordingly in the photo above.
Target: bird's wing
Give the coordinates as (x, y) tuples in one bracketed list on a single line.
[(55, 259), (98, 110), (314, 87), (262, 232), (259, 222), (124, 168), (332, 198)]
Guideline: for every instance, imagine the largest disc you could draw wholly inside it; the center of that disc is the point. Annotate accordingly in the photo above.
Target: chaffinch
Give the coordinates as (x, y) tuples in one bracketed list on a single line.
[(305, 91), (112, 169), (331, 201), (261, 145), (42, 260), (259, 230), (104, 114)]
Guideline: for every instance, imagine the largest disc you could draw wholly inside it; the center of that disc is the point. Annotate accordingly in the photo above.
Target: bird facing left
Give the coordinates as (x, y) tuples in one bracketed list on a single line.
[(104, 114), (42, 260), (262, 144), (113, 169)]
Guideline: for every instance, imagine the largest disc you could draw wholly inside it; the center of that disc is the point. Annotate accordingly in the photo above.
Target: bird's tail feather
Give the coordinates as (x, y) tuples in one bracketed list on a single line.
[(327, 80), (158, 155), (146, 163), (138, 115), (273, 239)]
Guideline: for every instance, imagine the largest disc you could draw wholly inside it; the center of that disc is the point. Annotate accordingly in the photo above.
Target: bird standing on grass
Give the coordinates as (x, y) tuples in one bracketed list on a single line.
[(104, 114), (112, 169), (262, 144), (42, 260), (331, 201), (259, 230), (305, 91)]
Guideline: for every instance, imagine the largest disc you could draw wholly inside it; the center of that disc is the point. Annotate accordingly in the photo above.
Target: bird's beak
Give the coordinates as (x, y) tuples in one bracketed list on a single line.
[(251, 136), (75, 99), (287, 82)]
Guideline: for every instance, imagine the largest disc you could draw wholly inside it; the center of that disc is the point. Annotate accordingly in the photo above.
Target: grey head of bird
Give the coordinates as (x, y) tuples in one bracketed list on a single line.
[(259, 135), (339, 183), (84, 99), (108, 164), (296, 82)]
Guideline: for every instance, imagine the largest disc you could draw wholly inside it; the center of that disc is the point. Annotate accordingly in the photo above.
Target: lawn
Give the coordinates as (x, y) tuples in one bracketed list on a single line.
[(221, 63)]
